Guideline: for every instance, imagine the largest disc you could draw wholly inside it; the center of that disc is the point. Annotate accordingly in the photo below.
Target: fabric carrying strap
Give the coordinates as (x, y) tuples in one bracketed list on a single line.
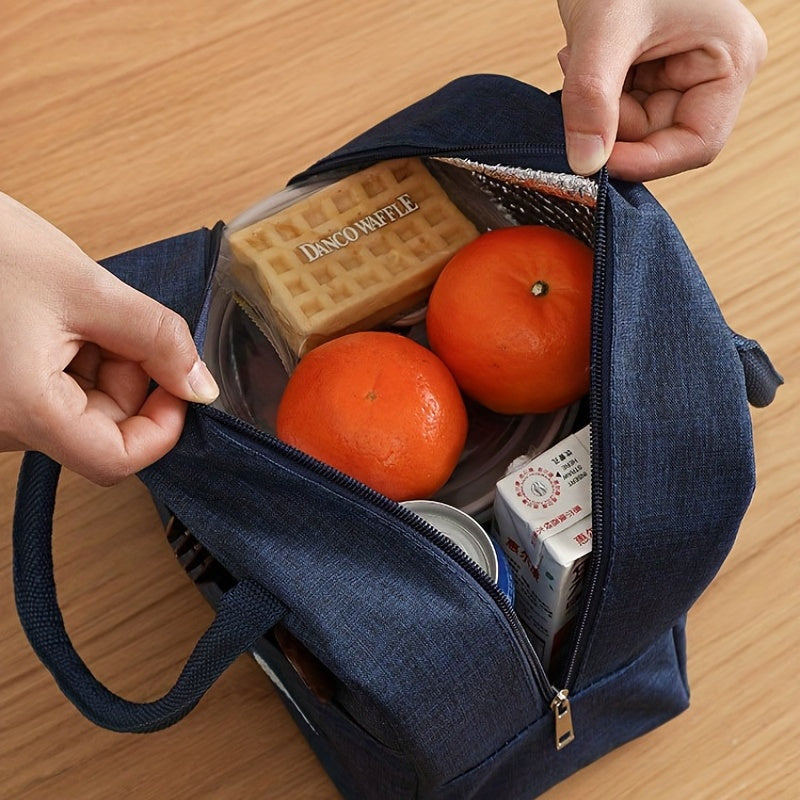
[(244, 613)]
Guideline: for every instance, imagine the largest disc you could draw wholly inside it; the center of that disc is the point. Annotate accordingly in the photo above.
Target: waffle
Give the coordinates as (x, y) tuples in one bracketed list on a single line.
[(353, 254)]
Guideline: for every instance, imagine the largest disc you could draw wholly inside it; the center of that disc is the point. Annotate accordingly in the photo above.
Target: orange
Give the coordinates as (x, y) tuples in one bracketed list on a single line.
[(380, 408), (510, 315)]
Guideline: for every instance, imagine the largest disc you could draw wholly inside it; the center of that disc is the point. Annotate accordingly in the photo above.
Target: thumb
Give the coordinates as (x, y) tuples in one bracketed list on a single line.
[(135, 327), (594, 75)]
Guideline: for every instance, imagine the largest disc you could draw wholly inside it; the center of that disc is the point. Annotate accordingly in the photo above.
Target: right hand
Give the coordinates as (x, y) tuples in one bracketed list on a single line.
[(654, 87)]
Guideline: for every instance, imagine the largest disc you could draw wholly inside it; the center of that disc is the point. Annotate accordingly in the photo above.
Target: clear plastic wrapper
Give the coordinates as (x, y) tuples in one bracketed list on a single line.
[(352, 255)]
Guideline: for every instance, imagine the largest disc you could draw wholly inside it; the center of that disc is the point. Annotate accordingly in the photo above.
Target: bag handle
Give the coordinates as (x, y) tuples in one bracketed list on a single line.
[(244, 613)]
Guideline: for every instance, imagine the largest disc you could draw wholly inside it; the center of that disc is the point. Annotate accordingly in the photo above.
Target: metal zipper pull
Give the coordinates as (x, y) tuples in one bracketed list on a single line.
[(563, 716)]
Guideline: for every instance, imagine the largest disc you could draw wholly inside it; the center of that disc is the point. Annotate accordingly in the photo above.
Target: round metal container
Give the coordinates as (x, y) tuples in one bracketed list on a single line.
[(470, 536)]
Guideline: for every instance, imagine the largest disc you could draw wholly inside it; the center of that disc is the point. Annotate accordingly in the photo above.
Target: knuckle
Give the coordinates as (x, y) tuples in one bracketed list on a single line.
[(586, 90), (172, 334), (709, 154), (111, 470), (112, 476), (754, 37), (169, 325), (760, 45), (747, 47)]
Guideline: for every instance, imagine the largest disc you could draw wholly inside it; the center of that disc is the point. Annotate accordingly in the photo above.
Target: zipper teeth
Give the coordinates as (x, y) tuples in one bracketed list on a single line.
[(364, 156), (596, 429), (408, 517)]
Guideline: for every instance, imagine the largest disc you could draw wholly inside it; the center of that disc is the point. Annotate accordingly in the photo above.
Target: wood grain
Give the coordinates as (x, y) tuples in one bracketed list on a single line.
[(126, 122)]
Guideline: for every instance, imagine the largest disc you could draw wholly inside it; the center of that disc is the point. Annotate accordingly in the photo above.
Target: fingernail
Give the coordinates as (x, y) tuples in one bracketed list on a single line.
[(202, 383), (586, 152)]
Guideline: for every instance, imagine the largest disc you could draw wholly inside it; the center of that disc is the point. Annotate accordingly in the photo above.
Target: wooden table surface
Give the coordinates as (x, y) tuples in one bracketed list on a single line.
[(125, 122)]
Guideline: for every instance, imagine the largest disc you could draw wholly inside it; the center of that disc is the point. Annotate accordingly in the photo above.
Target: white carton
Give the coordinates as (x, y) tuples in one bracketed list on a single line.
[(543, 522)]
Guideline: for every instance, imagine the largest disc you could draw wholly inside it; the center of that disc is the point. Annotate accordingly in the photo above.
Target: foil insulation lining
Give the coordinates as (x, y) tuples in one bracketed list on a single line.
[(575, 188), (520, 196)]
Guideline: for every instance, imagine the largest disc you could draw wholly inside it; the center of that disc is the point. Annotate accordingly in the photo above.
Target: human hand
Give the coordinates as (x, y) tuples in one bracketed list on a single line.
[(78, 348), (654, 87)]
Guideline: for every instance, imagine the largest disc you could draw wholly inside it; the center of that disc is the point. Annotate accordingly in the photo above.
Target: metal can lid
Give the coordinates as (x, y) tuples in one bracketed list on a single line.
[(462, 530)]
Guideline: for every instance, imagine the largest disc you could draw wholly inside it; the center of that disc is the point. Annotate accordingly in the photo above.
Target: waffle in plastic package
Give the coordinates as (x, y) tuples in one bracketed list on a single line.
[(350, 255)]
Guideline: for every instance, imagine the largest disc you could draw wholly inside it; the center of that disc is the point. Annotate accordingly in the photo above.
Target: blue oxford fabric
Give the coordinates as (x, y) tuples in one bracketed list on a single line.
[(434, 696)]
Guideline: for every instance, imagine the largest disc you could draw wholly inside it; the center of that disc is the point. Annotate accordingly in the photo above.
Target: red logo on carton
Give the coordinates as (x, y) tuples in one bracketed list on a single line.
[(537, 487)]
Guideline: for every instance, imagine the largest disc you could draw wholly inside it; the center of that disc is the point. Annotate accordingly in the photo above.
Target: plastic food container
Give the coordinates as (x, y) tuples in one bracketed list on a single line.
[(252, 363)]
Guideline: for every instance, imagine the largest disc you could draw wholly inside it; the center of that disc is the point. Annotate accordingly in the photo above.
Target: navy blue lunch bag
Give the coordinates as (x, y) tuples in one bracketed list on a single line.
[(404, 665)]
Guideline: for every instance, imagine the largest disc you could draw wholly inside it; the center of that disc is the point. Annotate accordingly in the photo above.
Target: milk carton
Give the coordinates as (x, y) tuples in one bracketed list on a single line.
[(542, 519)]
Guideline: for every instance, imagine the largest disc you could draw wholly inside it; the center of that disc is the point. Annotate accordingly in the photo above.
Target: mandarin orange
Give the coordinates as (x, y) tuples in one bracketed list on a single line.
[(510, 315), (380, 408)]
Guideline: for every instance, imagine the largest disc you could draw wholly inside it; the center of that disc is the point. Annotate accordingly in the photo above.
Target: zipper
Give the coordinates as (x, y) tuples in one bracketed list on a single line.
[(361, 158), (601, 346), (557, 699)]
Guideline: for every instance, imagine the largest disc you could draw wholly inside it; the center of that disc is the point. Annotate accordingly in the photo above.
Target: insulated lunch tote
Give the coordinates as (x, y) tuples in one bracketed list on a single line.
[(418, 679)]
